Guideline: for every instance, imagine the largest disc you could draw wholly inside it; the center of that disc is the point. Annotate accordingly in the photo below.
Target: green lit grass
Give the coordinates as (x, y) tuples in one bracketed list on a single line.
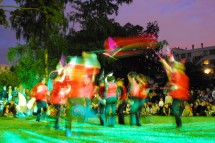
[(155, 129)]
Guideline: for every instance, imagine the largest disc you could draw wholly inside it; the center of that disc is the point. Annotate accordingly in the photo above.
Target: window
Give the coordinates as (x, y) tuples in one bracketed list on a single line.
[(212, 52), (183, 55), (205, 53), (188, 54)]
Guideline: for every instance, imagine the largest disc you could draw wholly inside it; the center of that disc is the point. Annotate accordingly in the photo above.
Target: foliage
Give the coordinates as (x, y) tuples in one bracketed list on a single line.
[(3, 19), (43, 25), (93, 12), (8, 78), (38, 21), (28, 64)]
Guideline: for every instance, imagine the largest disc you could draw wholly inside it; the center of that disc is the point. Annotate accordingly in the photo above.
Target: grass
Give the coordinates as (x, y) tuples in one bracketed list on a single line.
[(155, 129)]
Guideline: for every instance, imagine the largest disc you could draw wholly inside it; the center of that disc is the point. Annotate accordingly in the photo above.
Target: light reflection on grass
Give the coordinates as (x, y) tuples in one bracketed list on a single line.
[(155, 129)]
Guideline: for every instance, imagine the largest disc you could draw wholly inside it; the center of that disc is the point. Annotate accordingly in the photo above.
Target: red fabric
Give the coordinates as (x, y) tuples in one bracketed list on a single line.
[(76, 89), (147, 40), (75, 77), (180, 80), (40, 92), (143, 89), (111, 91), (101, 91), (124, 93), (134, 89), (76, 73), (89, 90), (58, 95)]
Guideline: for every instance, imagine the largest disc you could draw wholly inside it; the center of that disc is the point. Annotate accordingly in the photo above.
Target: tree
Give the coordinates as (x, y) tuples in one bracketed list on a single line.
[(8, 78), (28, 63), (44, 23), (43, 27)]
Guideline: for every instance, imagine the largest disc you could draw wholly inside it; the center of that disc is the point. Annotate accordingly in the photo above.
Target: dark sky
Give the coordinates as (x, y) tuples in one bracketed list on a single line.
[(182, 22)]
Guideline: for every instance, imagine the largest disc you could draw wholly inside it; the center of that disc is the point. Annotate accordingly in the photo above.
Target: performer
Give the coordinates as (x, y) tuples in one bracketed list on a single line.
[(178, 85), (75, 74), (111, 100), (100, 94), (122, 98), (40, 92), (58, 95), (133, 91), (144, 90), (88, 94)]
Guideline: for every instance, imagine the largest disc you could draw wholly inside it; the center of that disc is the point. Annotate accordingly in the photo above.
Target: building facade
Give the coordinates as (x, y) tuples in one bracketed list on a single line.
[(205, 56)]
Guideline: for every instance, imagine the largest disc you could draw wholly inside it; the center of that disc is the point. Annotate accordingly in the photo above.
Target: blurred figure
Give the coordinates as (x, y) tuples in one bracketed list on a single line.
[(88, 94), (134, 92), (168, 99), (111, 100), (187, 111), (9, 93), (9, 108), (213, 95), (4, 94), (58, 96), (178, 85), (166, 110), (122, 98), (161, 104), (40, 92), (15, 95), (143, 95), (100, 94)]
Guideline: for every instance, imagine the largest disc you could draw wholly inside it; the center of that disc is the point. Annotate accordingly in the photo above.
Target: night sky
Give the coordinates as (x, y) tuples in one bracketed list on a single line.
[(182, 22)]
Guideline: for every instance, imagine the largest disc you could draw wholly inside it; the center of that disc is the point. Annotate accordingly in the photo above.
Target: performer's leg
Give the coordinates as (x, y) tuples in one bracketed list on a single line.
[(175, 105), (108, 113), (39, 106), (113, 120), (68, 121), (45, 108), (88, 103), (58, 108), (123, 107), (141, 102), (133, 112), (102, 114), (120, 113)]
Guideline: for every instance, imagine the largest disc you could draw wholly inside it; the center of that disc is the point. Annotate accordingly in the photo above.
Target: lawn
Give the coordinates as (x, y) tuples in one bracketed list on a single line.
[(155, 129)]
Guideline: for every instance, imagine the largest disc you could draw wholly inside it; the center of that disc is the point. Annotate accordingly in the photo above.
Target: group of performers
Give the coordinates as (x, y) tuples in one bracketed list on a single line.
[(75, 85)]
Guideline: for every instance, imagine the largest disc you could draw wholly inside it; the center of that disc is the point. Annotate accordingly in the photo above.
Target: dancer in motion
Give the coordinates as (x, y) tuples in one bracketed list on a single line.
[(178, 84), (138, 91), (41, 93), (133, 91), (58, 95), (122, 98), (111, 100)]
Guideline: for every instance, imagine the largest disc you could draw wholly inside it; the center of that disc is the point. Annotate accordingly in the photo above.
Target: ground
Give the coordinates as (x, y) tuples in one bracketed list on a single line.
[(155, 129)]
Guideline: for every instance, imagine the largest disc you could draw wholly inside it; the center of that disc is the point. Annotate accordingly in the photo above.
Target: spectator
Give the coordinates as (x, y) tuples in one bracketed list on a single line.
[(9, 108), (9, 93), (4, 94), (161, 104), (166, 110), (187, 111), (153, 110), (168, 99), (213, 94)]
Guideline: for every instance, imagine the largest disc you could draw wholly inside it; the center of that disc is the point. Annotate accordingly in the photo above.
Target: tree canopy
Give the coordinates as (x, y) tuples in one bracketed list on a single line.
[(49, 31)]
